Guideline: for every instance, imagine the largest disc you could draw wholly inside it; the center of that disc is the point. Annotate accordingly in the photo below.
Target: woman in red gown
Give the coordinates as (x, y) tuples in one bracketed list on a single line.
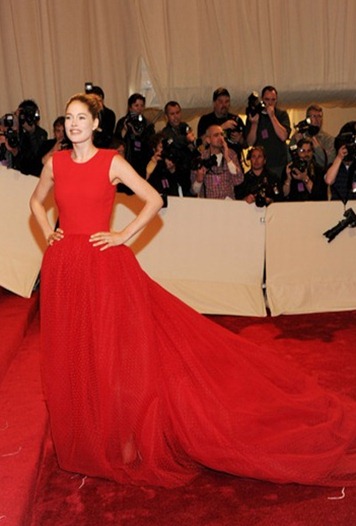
[(140, 388)]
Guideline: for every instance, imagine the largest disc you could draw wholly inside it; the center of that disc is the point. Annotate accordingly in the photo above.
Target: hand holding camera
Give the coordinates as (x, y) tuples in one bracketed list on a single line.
[(298, 175), (255, 107), (342, 152), (231, 125), (234, 130), (9, 133)]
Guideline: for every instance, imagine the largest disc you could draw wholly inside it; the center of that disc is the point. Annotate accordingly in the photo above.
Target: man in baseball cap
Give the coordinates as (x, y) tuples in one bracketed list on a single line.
[(232, 125)]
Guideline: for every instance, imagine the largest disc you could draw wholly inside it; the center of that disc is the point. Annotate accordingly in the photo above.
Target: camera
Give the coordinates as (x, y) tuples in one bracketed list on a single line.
[(208, 163), (10, 134), (136, 122), (254, 105), (240, 128), (306, 128), (350, 220), (170, 151), (9, 120), (264, 190), (29, 114), (347, 139), (297, 162)]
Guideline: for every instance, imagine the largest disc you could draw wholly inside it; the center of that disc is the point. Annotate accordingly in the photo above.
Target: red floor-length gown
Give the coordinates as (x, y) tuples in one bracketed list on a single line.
[(141, 388)]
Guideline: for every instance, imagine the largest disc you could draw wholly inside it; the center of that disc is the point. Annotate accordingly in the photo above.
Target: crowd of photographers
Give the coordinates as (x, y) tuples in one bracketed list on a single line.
[(259, 161)]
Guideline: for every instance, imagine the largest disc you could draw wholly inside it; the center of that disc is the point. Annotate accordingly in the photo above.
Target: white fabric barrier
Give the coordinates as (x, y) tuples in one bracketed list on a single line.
[(21, 241), (209, 253), (304, 272)]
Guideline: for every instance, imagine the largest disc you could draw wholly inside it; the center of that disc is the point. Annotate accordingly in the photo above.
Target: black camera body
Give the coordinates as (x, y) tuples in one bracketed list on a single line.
[(306, 128), (208, 163), (239, 125), (29, 115), (297, 162), (347, 139), (350, 220), (238, 128), (10, 134), (136, 122), (255, 105), (264, 190), (170, 151)]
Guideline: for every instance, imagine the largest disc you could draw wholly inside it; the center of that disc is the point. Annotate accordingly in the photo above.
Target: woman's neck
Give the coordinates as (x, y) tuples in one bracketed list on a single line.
[(83, 152)]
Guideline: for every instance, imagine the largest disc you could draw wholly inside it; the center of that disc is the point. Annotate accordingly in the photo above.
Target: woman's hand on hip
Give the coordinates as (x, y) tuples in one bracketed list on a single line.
[(56, 235), (106, 240)]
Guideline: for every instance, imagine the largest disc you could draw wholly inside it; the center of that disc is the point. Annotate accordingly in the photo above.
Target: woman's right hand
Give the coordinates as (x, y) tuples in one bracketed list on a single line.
[(56, 235)]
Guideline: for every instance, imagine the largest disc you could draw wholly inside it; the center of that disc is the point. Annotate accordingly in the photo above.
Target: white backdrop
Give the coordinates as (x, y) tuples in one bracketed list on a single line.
[(49, 48)]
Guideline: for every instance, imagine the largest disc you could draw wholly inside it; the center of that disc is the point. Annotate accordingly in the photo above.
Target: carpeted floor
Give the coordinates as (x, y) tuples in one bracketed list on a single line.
[(323, 344), (214, 499)]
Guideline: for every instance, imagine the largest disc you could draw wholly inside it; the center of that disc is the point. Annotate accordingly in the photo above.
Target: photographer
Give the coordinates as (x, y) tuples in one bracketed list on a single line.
[(136, 131), (9, 140), (232, 125), (179, 133), (303, 179), (216, 173), (175, 128), (169, 175), (341, 175), (259, 186), (59, 142), (156, 145), (104, 134), (311, 128), (269, 127), (27, 157)]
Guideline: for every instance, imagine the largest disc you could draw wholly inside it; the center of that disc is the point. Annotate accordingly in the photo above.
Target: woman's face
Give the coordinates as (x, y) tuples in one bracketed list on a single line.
[(159, 148), (79, 123), (137, 106), (58, 132)]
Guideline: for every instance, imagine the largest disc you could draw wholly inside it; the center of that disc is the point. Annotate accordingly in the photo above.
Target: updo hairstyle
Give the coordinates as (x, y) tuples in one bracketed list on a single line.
[(91, 101)]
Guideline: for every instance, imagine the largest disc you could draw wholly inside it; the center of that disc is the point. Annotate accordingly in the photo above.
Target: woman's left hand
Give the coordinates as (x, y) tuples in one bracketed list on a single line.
[(107, 239)]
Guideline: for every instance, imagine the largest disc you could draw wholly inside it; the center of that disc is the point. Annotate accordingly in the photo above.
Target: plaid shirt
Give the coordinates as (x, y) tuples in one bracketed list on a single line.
[(219, 182)]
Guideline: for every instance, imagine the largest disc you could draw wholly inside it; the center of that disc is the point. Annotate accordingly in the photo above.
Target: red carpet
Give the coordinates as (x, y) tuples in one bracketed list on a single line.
[(321, 343), (23, 417)]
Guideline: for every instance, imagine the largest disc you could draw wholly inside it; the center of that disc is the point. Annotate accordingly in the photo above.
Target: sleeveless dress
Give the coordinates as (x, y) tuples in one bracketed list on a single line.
[(142, 389)]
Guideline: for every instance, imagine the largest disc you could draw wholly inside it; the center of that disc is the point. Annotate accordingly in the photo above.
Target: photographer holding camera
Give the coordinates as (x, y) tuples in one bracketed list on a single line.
[(232, 125), (216, 173), (303, 179), (259, 186), (179, 134), (175, 129), (27, 156), (136, 131), (341, 175), (167, 171), (9, 140), (269, 127), (311, 128), (105, 132)]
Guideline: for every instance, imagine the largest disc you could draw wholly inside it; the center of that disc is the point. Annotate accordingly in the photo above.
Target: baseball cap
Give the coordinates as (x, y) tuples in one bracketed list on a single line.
[(220, 91)]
